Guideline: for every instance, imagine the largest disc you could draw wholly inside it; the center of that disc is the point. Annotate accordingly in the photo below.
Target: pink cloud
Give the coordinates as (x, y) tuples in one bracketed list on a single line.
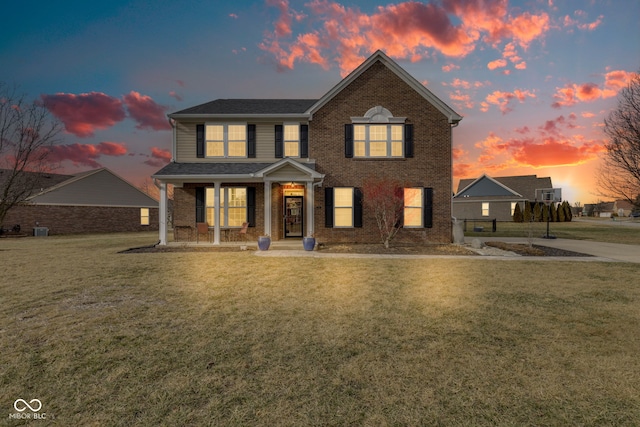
[(551, 151), (573, 93), (503, 99), (412, 30), (498, 63), (146, 112), (86, 113), (175, 95), (159, 157), (450, 67), (86, 154)]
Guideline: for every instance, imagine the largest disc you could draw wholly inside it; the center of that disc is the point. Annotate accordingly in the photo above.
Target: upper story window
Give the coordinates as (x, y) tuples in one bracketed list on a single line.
[(226, 140), (378, 140), (292, 140), (378, 135)]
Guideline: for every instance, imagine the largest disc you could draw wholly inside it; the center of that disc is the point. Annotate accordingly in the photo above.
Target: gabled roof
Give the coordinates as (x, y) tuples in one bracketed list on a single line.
[(522, 186), (99, 187), (239, 108), (247, 107), (453, 117), (290, 167)]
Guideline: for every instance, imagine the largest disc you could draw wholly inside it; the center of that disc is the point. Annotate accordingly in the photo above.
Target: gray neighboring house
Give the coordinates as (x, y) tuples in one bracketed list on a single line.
[(96, 201), (495, 198)]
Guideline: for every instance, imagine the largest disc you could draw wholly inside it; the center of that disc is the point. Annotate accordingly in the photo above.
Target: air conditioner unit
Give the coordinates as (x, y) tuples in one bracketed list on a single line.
[(40, 231)]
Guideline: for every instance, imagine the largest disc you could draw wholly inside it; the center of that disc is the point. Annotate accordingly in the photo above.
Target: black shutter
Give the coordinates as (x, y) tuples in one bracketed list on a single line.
[(251, 206), (279, 141), (304, 141), (428, 207), (357, 208), (328, 207), (348, 141), (200, 204), (408, 141), (399, 195), (251, 141), (200, 140)]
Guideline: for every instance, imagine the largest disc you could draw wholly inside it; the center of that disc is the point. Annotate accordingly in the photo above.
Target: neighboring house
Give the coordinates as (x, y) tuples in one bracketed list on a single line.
[(623, 207), (296, 167), (96, 201), (495, 198)]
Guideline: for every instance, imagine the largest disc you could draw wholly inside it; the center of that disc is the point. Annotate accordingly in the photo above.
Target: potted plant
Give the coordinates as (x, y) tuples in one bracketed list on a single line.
[(309, 243), (264, 242)]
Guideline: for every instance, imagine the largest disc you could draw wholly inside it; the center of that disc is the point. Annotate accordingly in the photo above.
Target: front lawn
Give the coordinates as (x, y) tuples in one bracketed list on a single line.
[(229, 338)]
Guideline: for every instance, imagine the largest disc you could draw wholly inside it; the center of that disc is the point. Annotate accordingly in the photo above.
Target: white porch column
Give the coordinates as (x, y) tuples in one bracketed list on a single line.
[(267, 208), (162, 214), (310, 209), (216, 207)]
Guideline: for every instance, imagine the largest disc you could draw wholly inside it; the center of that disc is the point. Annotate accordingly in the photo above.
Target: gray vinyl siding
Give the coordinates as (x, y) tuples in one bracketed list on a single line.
[(265, 142)]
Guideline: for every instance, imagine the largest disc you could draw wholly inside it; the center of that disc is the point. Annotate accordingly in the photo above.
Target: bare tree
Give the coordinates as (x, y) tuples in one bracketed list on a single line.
[(385, 198), (27, 130), (619, 175)]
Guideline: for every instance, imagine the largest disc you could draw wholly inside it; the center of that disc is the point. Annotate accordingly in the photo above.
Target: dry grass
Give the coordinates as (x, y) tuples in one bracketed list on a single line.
[(103, 338), (602, 230)]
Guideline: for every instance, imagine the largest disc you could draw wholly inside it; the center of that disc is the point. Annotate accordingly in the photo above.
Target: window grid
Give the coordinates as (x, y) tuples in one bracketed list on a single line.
[(226, 140), (343, 207), (413, 207), (233, 206), (292, 140), (378, 140), (144, 216)]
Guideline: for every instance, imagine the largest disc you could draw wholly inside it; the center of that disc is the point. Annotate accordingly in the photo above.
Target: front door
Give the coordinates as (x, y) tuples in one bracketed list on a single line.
[(293, 216)]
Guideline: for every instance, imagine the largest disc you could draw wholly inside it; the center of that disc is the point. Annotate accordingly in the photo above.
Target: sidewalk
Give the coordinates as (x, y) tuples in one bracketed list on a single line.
[(612, 251)]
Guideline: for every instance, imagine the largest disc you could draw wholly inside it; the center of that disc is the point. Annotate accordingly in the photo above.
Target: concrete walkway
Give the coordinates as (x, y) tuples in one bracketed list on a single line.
[(601, 252), (607, 251)]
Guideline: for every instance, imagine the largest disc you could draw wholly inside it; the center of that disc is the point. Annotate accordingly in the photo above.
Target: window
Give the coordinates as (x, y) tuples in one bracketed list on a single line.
[(343, 207), (292, 140), (378, 140), (513, 207), (413, 207), (233, 206), (226, 140), (144, 216), (485, 209)]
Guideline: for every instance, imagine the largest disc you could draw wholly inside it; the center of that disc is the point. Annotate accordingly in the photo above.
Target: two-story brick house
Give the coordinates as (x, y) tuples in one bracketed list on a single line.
[(296, 167)]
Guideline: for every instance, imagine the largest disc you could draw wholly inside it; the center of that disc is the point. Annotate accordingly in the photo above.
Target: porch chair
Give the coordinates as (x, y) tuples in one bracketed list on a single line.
[(242, 234), (202, 228)]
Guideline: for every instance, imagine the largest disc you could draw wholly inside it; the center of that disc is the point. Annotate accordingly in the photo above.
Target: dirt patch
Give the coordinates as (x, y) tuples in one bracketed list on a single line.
[(428, 249), (533, 250)]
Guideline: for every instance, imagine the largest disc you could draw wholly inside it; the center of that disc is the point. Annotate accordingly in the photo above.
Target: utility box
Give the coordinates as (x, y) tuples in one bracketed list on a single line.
[(40, 231)]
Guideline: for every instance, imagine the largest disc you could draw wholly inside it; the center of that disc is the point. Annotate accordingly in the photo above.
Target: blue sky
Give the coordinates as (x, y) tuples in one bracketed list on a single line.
[(533, 79)]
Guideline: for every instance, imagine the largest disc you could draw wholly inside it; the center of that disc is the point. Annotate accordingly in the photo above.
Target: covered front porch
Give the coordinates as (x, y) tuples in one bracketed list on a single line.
[(278, 201)]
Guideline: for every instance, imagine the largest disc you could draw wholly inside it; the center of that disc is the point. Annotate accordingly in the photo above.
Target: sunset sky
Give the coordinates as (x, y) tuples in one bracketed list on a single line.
[(533, 79)]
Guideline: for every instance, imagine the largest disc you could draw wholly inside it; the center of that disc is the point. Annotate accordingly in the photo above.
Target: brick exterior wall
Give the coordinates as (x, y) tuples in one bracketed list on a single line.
[(79, 219), (430, 166)]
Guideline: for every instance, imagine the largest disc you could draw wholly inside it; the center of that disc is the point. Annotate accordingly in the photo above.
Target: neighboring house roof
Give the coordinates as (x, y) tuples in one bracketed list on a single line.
[(523, 186), (248, 108), (452, 116), (99, 187), (43, 179)]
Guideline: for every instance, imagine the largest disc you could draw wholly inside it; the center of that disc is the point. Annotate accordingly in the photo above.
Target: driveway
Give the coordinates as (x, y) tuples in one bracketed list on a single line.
[(614, 251)]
